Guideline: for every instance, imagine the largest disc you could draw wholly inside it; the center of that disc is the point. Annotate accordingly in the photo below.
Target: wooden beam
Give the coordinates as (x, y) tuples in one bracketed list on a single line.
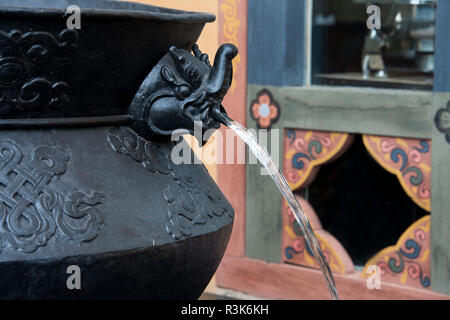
[(231, 177), (398, 113), (263, 207), (440, 203), (284, 281), (440, 178)]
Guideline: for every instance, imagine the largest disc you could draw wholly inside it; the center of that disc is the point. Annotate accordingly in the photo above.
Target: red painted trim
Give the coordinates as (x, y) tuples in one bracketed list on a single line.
[(231, 177), (283, 281)]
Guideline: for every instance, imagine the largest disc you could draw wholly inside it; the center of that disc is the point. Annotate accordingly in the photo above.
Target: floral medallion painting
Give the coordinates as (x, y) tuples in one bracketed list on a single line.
[(265, 110)]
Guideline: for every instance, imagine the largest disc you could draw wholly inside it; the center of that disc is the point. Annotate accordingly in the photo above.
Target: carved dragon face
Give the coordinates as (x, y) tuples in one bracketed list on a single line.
[(183, 90)]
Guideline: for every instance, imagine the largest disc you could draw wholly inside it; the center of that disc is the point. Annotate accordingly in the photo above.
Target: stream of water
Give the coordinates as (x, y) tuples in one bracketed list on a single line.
[(264, 157)]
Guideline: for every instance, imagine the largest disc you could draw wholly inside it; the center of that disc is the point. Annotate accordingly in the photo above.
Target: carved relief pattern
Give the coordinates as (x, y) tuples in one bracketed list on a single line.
[(190, 204), (297, 251), (24, 80), (442, 121), (30, 211), (409, 160), (306, 150), (408, 262), (229, 8)]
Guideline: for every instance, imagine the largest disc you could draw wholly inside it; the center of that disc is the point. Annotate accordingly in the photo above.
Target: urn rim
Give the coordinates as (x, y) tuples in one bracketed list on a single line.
[(102, 9)]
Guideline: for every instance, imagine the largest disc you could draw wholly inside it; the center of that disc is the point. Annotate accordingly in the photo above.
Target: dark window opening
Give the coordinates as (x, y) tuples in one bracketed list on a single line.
[(361, 204)]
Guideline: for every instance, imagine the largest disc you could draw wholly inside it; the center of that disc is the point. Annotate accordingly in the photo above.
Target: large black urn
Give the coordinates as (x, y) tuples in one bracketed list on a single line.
[(93, 203)]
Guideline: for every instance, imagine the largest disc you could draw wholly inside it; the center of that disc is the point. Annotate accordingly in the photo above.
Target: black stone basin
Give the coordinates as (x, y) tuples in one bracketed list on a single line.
[(78, 185)]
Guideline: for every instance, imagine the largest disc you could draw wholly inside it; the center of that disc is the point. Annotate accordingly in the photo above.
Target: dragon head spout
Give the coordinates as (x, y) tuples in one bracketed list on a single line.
[(182, 91)]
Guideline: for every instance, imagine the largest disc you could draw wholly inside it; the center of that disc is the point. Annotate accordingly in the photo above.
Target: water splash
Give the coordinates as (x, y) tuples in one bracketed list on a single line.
[(264, 157)]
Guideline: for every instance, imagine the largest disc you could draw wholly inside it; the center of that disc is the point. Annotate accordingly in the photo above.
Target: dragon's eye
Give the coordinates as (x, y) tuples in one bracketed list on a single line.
[(184, 91)]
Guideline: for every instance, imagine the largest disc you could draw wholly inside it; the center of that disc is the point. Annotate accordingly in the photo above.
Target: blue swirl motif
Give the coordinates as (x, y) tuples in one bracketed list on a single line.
[(424, 281), (313, 146), (425, 147), (317, 146), (412, 252), (411, 244), (289, 252), (297, 162), (298, 231), (417, 179), (395, 157), (396, 266), (290, 134), (308, 249)]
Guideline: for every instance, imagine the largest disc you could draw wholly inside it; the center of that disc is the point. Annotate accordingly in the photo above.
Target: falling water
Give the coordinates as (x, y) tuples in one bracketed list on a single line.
[(263, 156)]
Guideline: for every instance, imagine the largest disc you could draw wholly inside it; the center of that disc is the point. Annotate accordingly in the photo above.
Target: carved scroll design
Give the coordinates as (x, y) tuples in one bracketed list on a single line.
[(190, 204), (30, 211), (25, 83), (229, 8), (305, 151), (407, 262), (409, 160)]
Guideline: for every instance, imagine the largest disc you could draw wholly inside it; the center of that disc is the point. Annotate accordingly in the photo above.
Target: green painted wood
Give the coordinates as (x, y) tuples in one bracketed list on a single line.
[(263, 205), (440, 203), (400, 113), (440, 160)]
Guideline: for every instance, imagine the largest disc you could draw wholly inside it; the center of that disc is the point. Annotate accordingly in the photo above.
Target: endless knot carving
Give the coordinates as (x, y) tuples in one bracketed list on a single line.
[(30, 211)]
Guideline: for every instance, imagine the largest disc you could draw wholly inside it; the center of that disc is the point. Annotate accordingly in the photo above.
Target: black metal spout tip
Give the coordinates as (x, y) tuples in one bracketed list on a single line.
[(220, 115)]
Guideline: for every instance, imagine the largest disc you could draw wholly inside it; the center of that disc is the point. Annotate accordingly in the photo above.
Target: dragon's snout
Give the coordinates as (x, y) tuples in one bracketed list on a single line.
[(165, 101)]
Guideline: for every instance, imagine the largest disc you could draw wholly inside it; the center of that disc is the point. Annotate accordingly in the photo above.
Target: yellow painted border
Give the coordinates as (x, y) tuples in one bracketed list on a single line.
[(336, 264), (230, 30), (339, 265)]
